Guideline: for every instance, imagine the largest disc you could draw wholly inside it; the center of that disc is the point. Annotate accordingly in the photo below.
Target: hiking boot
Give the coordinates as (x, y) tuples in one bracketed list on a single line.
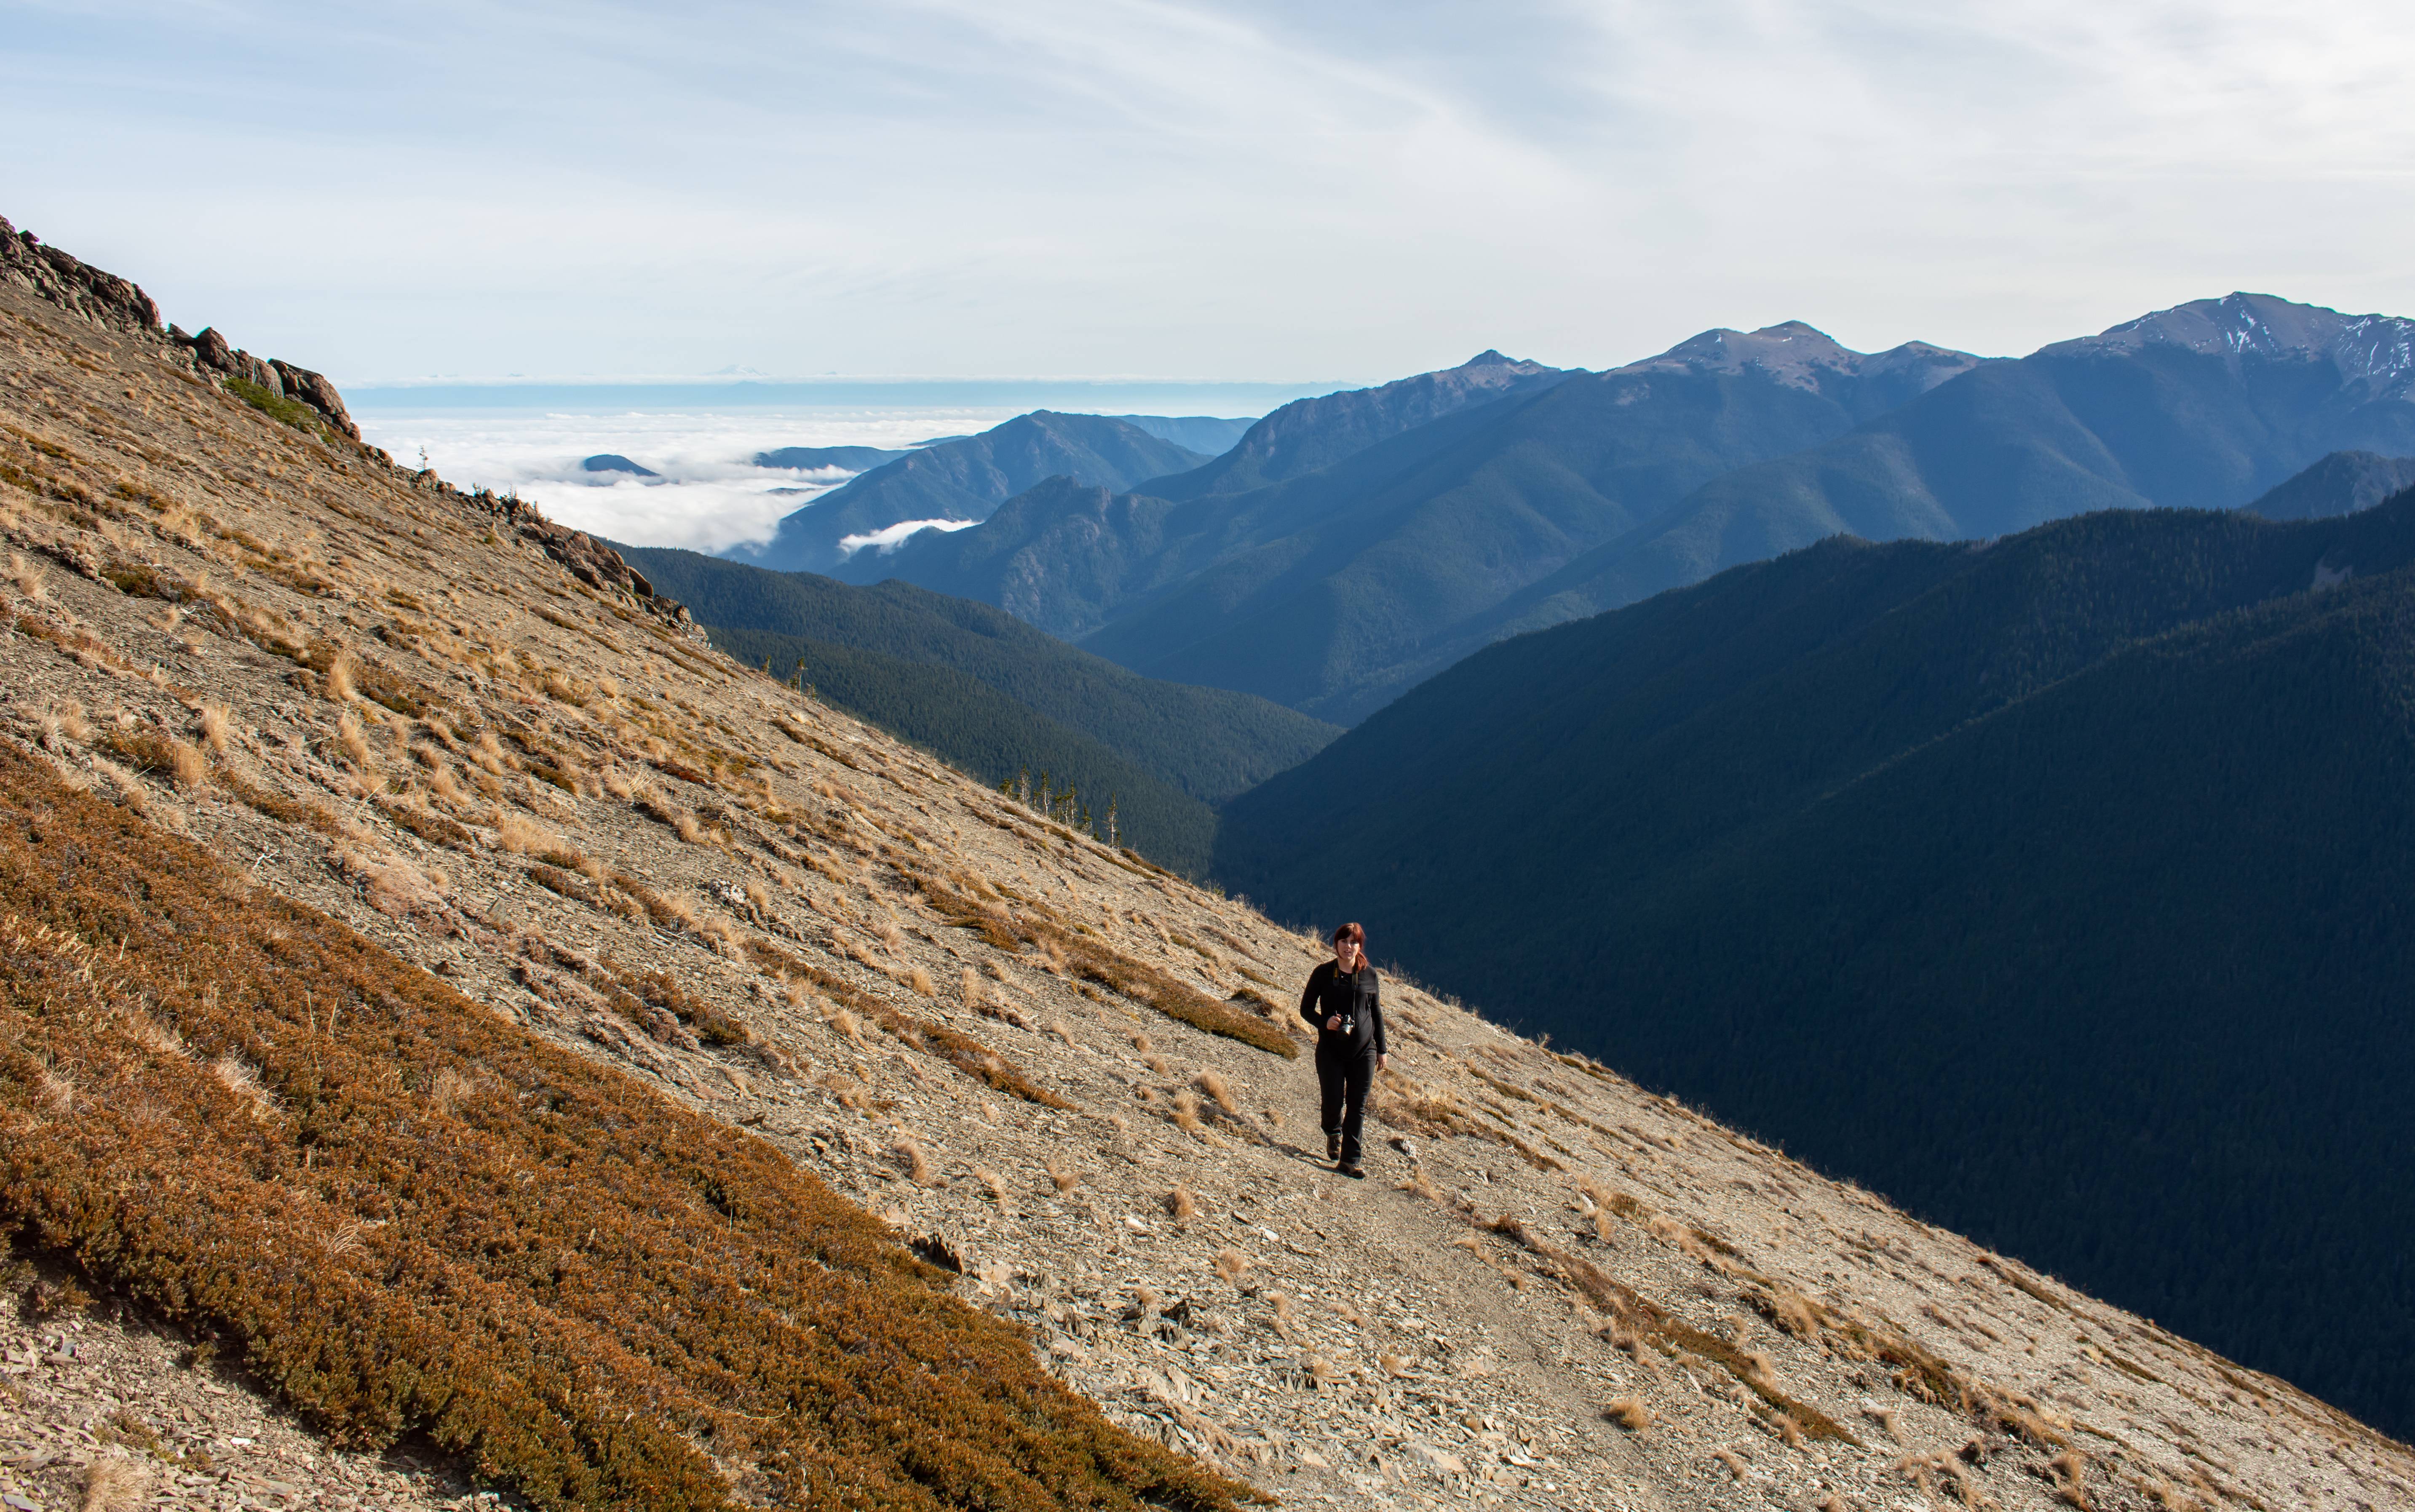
[(1333, 1146), (1355, 1173)]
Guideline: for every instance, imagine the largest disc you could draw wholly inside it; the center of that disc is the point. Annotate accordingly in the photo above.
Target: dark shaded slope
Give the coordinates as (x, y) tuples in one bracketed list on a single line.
[(2205, 405), (2057, 888), (1208, 743), (965, 479), (2340, 484), (981, 731)]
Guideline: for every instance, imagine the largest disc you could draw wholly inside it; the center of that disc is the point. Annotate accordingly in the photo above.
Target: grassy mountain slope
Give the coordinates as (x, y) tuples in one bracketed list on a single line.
[(2157, 412), (2340, 484), (2041, 885), (963, 479), (1208, 744), (467, 735)]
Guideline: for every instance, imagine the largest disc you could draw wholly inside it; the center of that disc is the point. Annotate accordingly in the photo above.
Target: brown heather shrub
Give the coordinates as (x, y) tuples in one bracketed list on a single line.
[(1628, 1413), (670, 1282)]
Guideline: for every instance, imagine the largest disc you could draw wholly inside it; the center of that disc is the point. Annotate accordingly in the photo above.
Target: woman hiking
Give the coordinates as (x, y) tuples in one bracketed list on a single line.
[(1342, 1001)]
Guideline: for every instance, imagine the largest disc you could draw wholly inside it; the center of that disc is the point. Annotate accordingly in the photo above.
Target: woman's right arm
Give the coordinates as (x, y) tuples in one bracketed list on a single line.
[(1308, 999)]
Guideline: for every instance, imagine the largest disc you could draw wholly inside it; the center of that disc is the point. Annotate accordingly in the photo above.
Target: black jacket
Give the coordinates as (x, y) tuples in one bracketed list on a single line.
[(1356, 998)]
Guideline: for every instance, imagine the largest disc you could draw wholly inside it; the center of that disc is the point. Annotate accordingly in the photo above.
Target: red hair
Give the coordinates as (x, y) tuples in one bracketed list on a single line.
[(1352, 933)]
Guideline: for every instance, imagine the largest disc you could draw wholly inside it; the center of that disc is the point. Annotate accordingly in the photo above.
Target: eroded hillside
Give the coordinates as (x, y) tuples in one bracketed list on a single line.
[(1051, 1068)]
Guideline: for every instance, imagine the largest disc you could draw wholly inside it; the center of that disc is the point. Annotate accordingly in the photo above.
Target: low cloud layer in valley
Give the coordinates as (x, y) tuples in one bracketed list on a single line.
[(707, 495)]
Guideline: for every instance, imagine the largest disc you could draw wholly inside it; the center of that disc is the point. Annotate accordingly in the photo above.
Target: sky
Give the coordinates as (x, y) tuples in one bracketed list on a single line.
[(1341, 192)]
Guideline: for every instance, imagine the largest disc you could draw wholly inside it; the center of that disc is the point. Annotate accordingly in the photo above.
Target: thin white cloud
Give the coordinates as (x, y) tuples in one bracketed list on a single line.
[(890, 537)]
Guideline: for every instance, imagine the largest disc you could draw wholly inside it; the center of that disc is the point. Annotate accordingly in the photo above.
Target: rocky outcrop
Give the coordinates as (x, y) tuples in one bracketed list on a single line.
[(214, 353), (103, 298), (120, 304)]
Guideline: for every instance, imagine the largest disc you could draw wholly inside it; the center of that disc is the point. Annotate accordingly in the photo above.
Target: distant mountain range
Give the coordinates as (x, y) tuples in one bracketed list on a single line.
[(997, 697), (1348, 547), (2061, 886), (963, 479)]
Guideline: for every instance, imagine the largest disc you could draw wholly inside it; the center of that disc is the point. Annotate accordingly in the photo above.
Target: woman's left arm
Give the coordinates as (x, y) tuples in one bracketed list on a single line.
[(1376, 1008)]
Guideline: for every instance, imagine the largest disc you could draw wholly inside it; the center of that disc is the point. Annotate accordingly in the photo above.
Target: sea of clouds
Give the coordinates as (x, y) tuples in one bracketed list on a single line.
[(710, 495)]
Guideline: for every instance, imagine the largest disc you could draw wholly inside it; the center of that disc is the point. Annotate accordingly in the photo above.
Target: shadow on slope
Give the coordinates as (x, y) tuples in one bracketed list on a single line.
[(2057, 886)]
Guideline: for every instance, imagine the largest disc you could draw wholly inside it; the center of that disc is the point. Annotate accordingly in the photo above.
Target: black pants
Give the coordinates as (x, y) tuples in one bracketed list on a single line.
[(1344, 1072)]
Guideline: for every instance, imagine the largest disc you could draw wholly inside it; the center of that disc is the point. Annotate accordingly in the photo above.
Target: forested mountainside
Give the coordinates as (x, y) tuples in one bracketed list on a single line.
[(999, 699), (961, 479), (1326, 591), (2054, 886), (2202, 406), (2340, 484), (639, 1085)]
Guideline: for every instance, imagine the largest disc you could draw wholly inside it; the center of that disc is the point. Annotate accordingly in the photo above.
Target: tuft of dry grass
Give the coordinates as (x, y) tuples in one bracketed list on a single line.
[(1186, 1111), (214, 724), (1214, 1087), (1180, 1206), (2069, 1471), (114, 1485), (1734, 1460), (1628, 1413), (921, 981), (996, 1186), (1064, 1180), (1232, 1264), (340, 684), (918, 1165), (27, 576), (187, 767), (1284, 1320), (349, 736)]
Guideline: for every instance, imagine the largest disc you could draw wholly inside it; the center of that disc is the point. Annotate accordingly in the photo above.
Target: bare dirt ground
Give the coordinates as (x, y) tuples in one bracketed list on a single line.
[(1555, 1290)]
